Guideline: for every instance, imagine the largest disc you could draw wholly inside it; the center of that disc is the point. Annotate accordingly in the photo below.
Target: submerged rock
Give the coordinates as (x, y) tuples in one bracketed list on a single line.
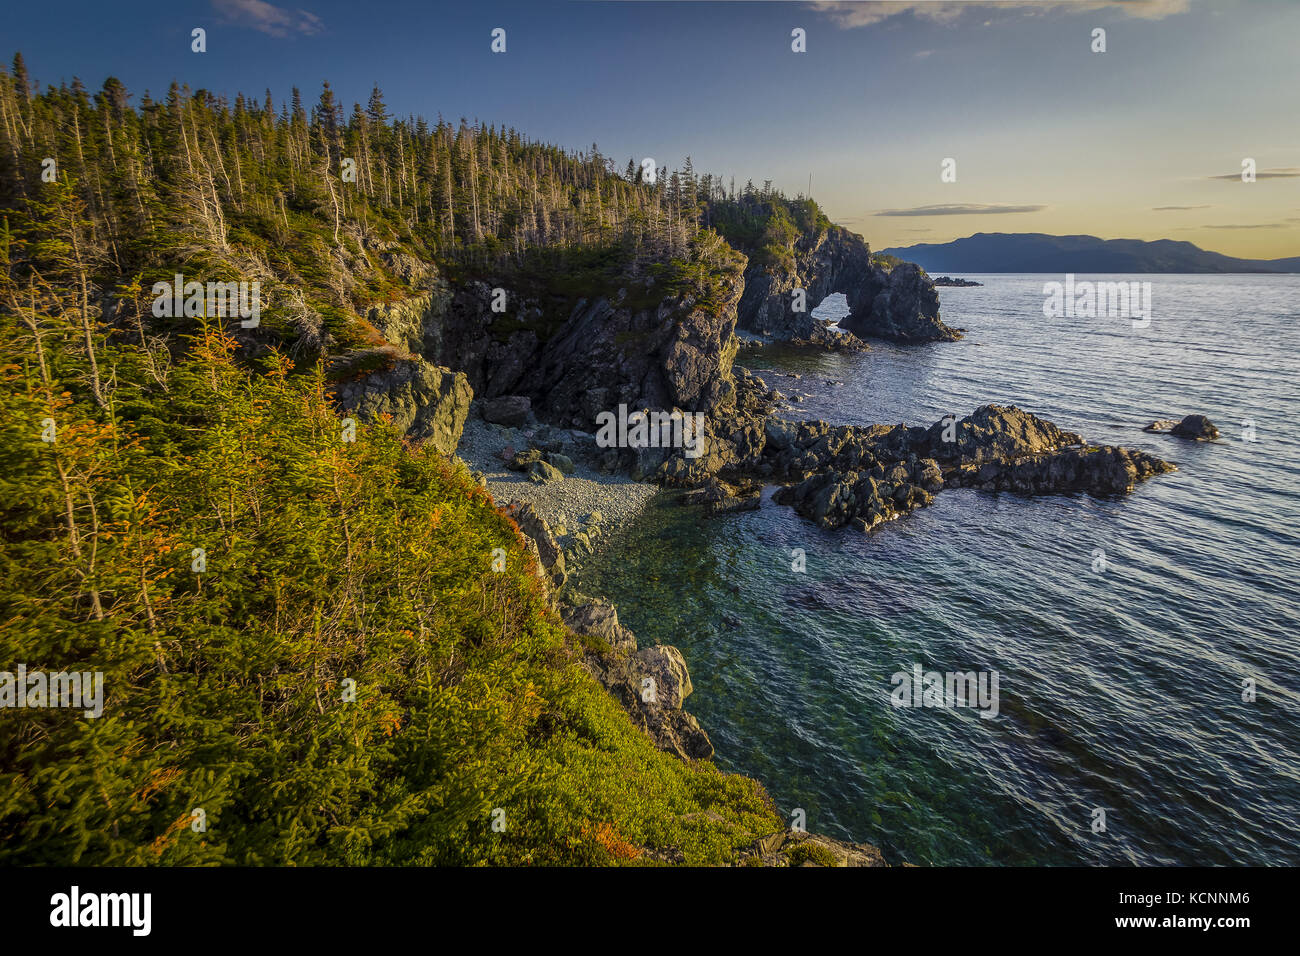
[(1161, 425)]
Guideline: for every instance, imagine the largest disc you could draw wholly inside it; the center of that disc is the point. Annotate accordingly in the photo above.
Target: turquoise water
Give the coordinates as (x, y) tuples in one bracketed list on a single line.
[(1119, 689)]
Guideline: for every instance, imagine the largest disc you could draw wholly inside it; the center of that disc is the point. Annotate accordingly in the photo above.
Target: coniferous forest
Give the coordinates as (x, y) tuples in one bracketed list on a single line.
[(301, 636)]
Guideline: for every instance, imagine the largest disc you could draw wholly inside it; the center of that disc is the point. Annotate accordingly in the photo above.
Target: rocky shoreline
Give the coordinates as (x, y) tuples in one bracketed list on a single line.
[(887, 299), (581, 509), (834, 476), (519, 408)]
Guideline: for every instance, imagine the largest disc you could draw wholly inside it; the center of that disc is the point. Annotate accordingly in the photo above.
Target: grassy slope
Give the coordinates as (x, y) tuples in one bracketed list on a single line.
[(326, 561)]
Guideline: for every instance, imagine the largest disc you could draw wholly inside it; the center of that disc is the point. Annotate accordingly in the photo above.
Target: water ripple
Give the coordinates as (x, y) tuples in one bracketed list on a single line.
[(1120, 691)]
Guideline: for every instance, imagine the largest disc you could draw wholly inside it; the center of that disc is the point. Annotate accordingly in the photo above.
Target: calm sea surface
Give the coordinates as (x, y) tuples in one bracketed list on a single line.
[(1120, 689)]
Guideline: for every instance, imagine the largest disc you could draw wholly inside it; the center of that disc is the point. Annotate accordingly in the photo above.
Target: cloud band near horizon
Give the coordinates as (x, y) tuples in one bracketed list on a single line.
[(963, 209)]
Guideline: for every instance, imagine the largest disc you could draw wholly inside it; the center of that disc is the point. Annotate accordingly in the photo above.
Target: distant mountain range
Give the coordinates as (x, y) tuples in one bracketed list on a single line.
[(1036, 252)]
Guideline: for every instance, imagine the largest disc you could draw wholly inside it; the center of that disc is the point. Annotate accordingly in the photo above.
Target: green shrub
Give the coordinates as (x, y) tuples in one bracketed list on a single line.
[(811, 852), (327, 562)]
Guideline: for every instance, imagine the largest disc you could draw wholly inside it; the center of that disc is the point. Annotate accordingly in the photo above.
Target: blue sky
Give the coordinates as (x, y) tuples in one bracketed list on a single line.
[(1048, 136)]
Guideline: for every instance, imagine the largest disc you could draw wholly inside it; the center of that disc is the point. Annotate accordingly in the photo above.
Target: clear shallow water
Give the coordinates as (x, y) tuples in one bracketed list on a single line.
[(1119, 690)]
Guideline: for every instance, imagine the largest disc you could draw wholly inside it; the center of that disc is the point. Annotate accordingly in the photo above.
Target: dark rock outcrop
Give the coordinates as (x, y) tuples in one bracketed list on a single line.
[(674, 354), (1098, 471), (897, 303), (425, 401), (832, 499), (1195, 427), (838, 475), (455, 326), (513, 411), (677, 354), (718, 497), (991, 433), (1002, 448), (550, 556), (900, 305), (651, 683)]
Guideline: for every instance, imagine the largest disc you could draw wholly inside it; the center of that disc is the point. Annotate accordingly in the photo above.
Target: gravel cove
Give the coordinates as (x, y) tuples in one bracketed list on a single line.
[(585, 500)]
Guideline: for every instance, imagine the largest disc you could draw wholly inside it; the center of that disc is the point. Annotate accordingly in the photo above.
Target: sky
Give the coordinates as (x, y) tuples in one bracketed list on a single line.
[(1145, 140)]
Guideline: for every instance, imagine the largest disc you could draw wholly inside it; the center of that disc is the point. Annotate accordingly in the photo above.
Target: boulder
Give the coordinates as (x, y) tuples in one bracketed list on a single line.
[(544, 473), (599, 619), (426, 402), (1196, 428), (524, 460), (562, 462), (665, 665), (512, 411)]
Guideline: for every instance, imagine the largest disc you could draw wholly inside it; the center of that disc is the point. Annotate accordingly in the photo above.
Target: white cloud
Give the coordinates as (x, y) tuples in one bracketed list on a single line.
[(850, 15), (268, 18), (962, 209)]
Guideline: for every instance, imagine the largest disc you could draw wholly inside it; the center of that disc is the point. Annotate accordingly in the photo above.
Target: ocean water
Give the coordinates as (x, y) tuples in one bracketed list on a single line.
[(1119, 689)]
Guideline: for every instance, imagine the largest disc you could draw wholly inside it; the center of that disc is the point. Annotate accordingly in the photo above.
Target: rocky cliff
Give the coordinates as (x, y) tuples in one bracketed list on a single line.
[(636, 340), (646, 348), (897, 303), (677, 354)]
